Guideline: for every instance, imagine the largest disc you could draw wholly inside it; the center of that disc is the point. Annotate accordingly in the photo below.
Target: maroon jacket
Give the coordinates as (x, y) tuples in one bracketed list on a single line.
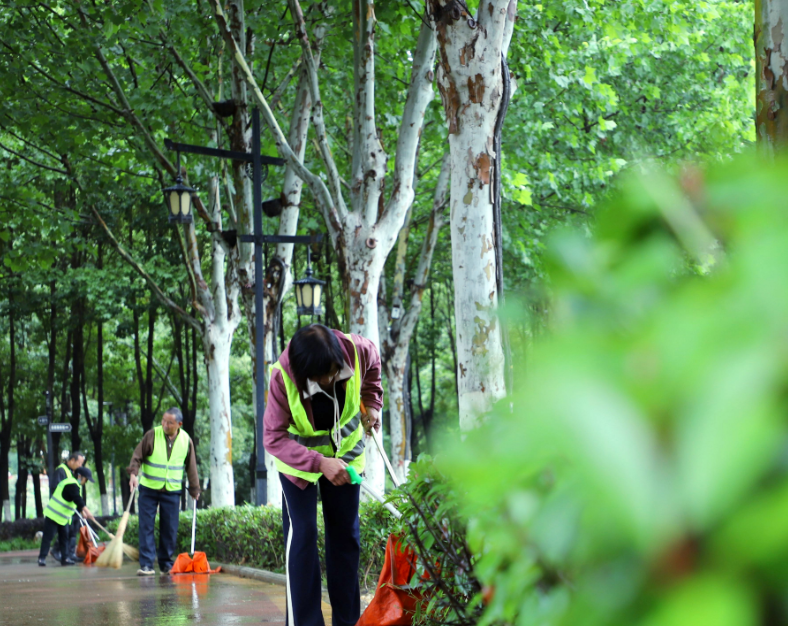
[(277, 416)]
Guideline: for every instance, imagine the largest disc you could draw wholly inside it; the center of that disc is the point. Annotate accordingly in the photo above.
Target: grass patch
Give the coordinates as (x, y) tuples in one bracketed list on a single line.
[(18, 543)]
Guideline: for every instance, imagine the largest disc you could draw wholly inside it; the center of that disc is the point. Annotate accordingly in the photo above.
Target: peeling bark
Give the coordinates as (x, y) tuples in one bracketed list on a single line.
[(771, 55), (396, 346), (470, 82)]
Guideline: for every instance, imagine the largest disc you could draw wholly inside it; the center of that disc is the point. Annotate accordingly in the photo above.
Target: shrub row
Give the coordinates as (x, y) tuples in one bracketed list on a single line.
[(27, 528), (252, 536)]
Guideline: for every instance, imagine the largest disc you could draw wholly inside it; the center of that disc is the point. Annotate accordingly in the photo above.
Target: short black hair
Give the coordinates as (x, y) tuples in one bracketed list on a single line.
[(314, 350), (176, 413), (74, 456)]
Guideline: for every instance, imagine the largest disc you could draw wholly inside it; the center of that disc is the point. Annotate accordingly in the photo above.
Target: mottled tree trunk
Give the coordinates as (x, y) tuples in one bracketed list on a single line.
[(398, 338), (364, 234), (471, 86), (771, 57)]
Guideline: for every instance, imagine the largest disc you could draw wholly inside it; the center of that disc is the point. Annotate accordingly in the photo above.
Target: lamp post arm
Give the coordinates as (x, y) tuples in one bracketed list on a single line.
[(320, 191), (158, 292)]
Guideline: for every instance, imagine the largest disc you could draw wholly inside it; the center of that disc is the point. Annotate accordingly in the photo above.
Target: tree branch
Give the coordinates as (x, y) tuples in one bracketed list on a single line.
[(202, 90), (163, 298), (317, 107), (316, 184), (419, 96), (32, 162)]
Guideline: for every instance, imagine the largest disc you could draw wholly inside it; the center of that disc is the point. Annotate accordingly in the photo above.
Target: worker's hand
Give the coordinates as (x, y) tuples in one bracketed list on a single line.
[(197, 497), (86, 513), (133, 482), (334, 470), (371, 420)]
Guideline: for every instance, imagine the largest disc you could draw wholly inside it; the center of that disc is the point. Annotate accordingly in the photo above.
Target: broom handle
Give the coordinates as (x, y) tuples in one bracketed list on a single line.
[(382, 500), (111, 536), (194, 523), (131, 499), (379, 444)]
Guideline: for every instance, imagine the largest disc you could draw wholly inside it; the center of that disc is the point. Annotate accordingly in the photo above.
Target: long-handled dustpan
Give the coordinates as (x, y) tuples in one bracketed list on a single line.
[(394, 604), (193, 562)]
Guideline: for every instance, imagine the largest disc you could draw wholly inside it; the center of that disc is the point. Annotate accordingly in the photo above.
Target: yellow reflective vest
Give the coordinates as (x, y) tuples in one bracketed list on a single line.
[(351, 447), (58, 509), (157, 471)]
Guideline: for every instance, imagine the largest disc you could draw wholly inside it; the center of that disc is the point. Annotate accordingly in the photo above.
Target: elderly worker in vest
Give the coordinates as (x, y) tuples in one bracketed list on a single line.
[(64, 502), (158, 465), (314, 429)]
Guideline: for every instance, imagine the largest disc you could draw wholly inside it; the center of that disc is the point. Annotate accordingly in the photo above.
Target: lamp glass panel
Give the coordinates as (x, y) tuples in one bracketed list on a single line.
[(307, 295), (186, 202), (299, 296), (317, 295), (175, 202)]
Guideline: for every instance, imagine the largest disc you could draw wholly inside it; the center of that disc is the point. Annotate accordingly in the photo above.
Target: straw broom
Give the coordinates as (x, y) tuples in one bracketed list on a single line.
[(113, 553), (129, 551)]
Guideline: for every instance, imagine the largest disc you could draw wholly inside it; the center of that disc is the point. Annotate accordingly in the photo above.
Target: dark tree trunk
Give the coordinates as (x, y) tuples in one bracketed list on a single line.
[(77, 373), (450, 331), (20, 497), (37, 494), (145, 380), (96, 427)]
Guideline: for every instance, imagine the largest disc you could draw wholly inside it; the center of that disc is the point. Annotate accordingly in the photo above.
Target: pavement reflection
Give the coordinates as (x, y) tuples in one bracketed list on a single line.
[(91, 596)]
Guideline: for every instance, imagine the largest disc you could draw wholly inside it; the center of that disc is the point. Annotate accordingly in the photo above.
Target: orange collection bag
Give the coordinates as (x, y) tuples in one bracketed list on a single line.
[(394, 604), (198, 564), (84, 542), (93, 554)]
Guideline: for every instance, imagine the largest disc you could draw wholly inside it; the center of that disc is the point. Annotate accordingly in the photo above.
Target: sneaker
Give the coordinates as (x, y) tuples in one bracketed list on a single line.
[(145, 571), (42, 562), (68, 562), (55, 554)]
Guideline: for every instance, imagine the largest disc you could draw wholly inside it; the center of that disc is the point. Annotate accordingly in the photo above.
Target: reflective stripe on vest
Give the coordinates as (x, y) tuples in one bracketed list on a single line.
[(351, 448), (58, 509), (157, 472)]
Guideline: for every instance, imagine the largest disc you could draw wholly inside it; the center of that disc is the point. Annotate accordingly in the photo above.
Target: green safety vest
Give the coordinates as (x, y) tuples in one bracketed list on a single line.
[(351, 448), (157, 471), (66, 469), (58, 509)]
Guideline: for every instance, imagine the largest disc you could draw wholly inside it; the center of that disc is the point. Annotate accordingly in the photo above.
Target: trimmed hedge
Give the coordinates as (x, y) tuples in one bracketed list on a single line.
[(27, 528), (252, 536)]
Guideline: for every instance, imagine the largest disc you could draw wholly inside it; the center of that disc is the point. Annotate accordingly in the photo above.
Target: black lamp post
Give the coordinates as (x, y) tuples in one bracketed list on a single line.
[(256, 160), (309, 291), (178, 199)]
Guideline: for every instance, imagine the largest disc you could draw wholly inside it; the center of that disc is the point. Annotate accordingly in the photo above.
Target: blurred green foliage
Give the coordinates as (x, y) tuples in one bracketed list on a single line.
[(640, 476)]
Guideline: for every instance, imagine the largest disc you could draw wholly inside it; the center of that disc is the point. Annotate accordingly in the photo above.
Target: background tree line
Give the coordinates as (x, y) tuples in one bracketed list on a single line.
[(105, 302)]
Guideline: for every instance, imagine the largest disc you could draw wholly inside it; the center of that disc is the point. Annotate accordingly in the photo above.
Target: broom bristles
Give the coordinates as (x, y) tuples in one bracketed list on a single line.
[(113, 553), (131, 552)]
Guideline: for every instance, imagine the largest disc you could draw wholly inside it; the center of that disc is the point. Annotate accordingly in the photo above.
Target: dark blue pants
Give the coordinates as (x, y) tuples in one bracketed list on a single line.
[(299, 522), (168, 503)]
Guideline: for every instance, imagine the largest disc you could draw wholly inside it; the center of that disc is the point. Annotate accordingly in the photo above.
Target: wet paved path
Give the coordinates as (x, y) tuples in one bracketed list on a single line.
[(91, 596)]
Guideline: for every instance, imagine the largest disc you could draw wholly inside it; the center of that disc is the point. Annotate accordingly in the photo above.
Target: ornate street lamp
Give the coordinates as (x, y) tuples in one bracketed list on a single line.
[(308, 291), (178, 199)]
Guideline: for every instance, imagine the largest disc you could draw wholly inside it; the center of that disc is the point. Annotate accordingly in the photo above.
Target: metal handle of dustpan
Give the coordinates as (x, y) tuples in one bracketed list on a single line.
[(382, 500), (93, 535), (194, 523)]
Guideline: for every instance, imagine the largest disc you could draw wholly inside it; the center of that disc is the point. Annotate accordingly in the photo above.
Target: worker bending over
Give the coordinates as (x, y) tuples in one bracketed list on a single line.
[(314, 428), (61, 507)]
